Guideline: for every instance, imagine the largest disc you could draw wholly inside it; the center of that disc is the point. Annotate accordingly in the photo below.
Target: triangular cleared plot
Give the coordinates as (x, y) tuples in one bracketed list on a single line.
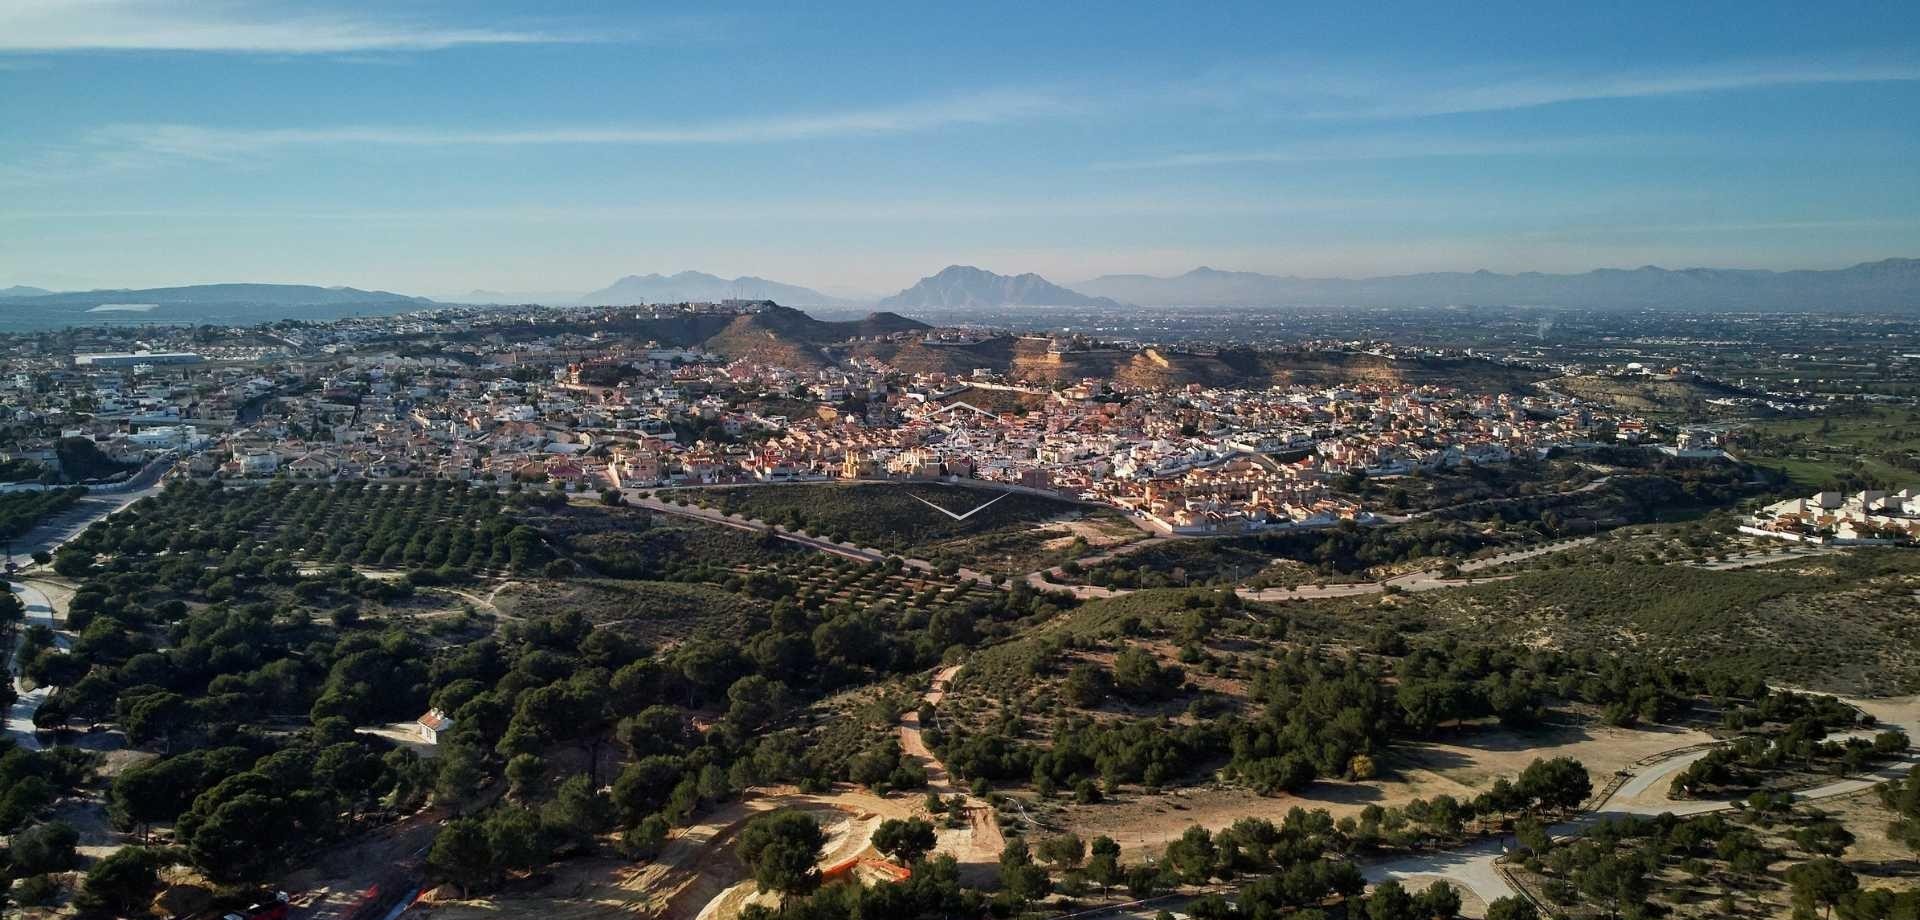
[(960, 517)]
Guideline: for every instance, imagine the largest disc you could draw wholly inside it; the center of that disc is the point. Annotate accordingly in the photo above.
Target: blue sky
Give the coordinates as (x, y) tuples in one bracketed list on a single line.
[(436, 147)]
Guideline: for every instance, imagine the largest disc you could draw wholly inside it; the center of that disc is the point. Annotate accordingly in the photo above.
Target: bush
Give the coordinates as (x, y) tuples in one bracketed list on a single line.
[(45, 848)]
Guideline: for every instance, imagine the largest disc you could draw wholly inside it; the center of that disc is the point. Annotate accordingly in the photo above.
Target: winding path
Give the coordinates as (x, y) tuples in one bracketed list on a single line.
[(912, 744)]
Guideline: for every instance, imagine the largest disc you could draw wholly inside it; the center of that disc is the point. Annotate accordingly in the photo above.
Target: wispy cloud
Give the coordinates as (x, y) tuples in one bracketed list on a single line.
[(807, 211), (221, 143), (1337, 150), (226, 26), (1325, 92)]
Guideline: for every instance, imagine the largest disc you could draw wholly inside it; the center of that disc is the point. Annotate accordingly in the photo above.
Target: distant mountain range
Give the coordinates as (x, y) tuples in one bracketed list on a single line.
[(1892, 284), (698, 287), (200, 303), (966, 286)]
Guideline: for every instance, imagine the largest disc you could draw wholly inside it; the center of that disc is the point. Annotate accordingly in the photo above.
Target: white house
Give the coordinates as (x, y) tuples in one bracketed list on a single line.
[(433, 725)]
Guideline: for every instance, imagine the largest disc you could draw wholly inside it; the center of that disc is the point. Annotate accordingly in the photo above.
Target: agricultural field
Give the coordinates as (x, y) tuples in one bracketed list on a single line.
[(1875, 447), (239, 659), (1343, 553), (440, 526), (1018, 533)]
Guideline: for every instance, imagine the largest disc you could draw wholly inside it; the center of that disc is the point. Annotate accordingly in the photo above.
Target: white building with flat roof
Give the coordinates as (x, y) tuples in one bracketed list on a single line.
[(131, 359)]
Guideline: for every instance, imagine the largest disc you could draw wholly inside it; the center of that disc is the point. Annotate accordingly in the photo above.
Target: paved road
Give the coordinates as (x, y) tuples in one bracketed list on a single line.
[(1419, 515), (1778, 555), (40, 612), (1473, 867), (50, 533)]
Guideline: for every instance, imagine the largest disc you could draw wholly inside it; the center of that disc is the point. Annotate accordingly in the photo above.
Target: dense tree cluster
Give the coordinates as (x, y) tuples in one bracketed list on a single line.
[(1313, 713), (1749, 762), (1624, 866), (557, 682), (1903, 797), (30, 781), (81, 459), (19, 511)]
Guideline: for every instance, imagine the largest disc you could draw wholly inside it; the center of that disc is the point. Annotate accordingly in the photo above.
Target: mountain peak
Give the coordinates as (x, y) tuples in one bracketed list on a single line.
[(696, 286), (968, 286)]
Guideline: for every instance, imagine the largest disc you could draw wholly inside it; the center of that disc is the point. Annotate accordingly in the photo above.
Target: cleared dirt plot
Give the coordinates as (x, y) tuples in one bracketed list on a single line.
[(697, 875)]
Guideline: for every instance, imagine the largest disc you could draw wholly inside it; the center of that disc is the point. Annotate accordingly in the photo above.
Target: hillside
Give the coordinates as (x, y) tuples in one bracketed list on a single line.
[(781, 335), (1028, 359), (1891, 284), (1840, 623), (1680, 398), (966, 286), (791, 338), (915, 356)]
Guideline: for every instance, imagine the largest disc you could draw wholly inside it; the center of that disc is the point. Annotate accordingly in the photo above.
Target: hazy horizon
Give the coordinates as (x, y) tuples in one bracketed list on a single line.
[(509, 147)]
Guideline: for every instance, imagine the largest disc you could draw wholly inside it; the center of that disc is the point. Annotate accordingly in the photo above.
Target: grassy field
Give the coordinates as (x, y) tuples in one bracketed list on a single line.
[(1017, 533), (1878, 446)]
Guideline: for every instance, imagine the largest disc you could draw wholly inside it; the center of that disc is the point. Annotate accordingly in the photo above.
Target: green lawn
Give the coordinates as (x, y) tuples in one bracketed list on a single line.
[(1874, 446)]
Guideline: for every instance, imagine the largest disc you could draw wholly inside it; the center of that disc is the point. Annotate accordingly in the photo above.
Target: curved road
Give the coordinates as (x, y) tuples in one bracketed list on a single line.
[(1473, 866), (40, 612), (49, 535)]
